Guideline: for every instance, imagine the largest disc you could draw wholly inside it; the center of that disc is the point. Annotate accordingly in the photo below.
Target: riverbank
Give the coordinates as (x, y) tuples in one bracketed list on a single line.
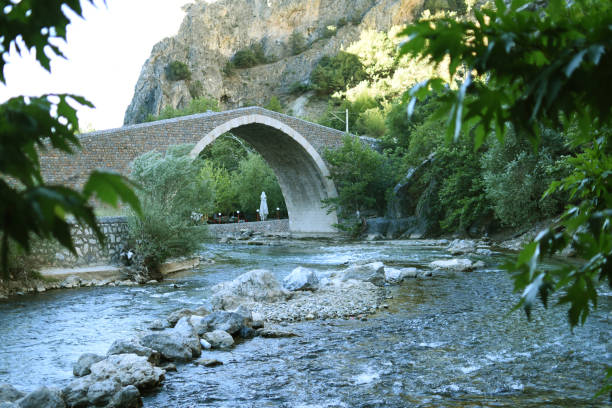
[(99, 275)]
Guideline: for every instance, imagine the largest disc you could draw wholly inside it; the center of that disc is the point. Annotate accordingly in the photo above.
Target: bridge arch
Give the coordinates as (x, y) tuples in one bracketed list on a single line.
[(301, 172)]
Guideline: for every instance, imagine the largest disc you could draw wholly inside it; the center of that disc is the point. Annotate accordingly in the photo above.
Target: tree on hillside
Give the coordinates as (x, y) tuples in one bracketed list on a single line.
[(527, 67), (29, 206)]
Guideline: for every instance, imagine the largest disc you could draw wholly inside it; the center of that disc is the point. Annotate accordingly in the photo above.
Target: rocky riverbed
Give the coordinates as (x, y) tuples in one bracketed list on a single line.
[(238, 310), (333, 284)]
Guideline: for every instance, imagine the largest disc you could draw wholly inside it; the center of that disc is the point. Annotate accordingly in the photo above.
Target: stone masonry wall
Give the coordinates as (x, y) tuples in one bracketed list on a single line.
[(263, 227), (51, 254)]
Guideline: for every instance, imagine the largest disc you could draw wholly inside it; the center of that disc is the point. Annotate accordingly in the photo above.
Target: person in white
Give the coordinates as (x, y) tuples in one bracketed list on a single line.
[(263, 206)]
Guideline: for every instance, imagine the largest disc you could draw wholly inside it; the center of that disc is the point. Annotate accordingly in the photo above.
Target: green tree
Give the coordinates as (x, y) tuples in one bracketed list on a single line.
[(222, 184), (371, 122), (542, 66), (226, 152), (516, 177), (377, 53), (170, 189), (254, 176), (337, 73), (362, 177), (29, 206), (297, 43)]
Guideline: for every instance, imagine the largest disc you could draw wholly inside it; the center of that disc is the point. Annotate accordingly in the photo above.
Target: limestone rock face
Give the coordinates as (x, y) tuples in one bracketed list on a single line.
[(212, 32)]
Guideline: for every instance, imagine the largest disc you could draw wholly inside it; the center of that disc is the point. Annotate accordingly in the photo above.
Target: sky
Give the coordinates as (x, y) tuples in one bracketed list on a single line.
[(105, 53)]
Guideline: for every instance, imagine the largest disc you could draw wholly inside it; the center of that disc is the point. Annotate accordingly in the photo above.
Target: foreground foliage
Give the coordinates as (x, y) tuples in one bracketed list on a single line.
[(542, 66), (29, 206)]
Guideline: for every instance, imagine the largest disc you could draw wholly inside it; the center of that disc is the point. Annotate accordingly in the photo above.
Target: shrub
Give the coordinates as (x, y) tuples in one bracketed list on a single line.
[(329, 31), (371, 123), (228, 68), (274, 105), (196, 89), (335, 115), (244, 59), (249, 57), (170, 189), (337, 73), (297, 43), (177, 71), (299, 87)]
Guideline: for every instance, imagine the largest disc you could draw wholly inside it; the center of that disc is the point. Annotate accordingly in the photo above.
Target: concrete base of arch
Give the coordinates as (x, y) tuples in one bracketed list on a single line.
[(301, 172)]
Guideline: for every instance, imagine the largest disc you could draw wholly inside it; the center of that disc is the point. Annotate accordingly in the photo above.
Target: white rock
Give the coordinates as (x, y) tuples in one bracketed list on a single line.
[(258, 285), (301, 279), (455, 264), (219, 339), (129, 369), (393, 275), (373, 272)]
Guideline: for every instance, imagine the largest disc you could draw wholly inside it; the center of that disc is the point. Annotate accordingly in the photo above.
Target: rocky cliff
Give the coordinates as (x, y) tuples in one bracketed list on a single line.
[(212, 32)]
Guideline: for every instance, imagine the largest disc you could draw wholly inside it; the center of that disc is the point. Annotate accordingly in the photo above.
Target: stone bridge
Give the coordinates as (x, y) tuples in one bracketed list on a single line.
[(292, 147)]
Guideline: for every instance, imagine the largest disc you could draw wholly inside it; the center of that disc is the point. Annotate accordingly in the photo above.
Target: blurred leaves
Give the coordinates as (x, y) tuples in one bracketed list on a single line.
[(29, 125)]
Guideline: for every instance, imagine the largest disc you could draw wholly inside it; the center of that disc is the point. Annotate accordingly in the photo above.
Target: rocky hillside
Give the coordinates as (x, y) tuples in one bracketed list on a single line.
[(212, 33)]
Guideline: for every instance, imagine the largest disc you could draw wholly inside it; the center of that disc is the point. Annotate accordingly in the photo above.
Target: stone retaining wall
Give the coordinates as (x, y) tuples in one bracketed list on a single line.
[(47, 253), (264, 227)]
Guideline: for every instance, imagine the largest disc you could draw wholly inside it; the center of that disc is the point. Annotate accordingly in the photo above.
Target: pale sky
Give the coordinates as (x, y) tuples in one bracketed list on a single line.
[(105, 53)]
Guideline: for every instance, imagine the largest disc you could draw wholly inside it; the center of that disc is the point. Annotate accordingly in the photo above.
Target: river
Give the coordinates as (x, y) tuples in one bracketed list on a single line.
[(446, 341)]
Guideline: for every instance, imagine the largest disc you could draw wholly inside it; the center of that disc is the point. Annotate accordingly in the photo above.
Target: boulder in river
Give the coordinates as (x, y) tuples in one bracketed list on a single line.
[(127, 397), (171, 346), (230, 322), (185, 330), (128, 369), (101, 392), (258, 285), (301, 279), (219, 339), (42, 397), (372, 272), (9, 393), (133, 346), (455, 264), (86, 392), (177, 315), (81, 367), (461, 246), (393, 275)]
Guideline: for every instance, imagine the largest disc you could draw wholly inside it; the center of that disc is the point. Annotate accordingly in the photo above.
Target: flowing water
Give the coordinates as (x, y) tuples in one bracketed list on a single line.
[(447, 341)]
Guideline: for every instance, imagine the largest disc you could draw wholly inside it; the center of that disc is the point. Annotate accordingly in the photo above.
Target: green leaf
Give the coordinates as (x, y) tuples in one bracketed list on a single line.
[(110, 188)]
